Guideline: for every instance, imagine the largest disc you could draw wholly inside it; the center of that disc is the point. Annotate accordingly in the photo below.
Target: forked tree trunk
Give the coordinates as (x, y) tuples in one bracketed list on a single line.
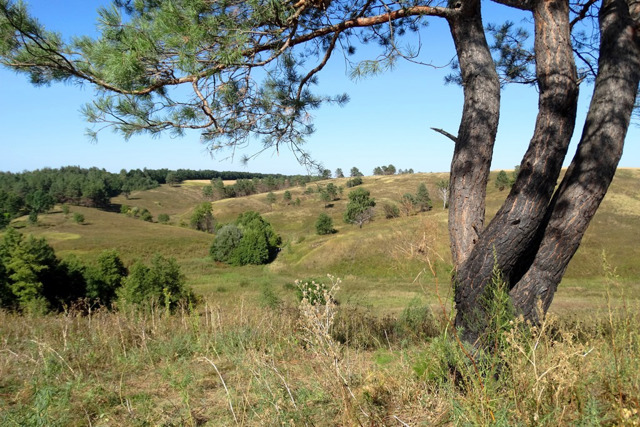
[(532, 238), (593, 167)]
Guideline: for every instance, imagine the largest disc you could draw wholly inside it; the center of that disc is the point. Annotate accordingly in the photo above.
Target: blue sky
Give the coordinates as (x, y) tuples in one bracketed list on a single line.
[(387, 121)]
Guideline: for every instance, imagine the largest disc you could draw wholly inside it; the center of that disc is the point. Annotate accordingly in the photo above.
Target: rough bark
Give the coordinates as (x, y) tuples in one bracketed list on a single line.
[(478, 127), (514, 227), (593, 167)]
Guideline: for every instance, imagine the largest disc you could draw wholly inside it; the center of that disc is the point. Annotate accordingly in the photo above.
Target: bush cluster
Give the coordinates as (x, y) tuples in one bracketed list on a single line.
[(33, 279), (250, 240), (136, 212)]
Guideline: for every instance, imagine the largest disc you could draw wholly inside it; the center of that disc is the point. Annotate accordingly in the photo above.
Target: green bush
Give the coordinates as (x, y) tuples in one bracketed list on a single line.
[(202, 218), (251, 240), (225, 242), (353, 182), (163, 218), (104, 279), (145, 215), (78, 218), (390, 210), (161, 283), (324, 224)]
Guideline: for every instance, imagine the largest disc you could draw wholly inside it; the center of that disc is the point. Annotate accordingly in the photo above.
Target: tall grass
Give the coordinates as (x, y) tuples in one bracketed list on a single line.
[(253, 365)]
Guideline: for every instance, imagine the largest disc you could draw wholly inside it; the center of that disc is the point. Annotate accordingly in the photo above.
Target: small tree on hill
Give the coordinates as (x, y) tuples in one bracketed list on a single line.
[(286, 197), (207, 192), (353, 182), (325, 197), (161, 283), (360, 207), (38, 202), (338, 173), (443, 191), (172, 179), (502, 180), (324, 224), (202, 218), (355, 172), (271, 197), (104, 280), (332, 190), (423, 200)]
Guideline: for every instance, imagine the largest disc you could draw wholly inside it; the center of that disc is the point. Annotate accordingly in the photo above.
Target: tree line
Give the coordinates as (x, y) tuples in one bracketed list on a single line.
[(34, 280), (36, 192)]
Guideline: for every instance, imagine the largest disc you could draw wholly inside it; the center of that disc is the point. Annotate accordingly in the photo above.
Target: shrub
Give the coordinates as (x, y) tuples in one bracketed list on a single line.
[(251, 240), (145, 215), (390, 211), (202, 218), (324, 224), (78, 218), (353, 182), (104, 280), (360, 207), (162, 282), (225, 242), (163, 218)]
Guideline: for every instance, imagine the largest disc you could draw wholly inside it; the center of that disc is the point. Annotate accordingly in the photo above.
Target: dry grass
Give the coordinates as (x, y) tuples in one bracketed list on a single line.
[(247, 365)]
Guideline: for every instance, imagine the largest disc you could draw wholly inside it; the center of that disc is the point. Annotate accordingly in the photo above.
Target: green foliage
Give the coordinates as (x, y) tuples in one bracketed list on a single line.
[(163, 218), (287, 197), (355, 172), (38, 202), (173, 178), (360, 207), (423, 200), (225, 242), (502, 180), (338, 173), (160, 283), (271, 197), (29, 269), (105, 278), (202, 218), (391, 210), (145, 215), (251, 240), (354, 182), (78, 218), (207, 192), (324, 224)]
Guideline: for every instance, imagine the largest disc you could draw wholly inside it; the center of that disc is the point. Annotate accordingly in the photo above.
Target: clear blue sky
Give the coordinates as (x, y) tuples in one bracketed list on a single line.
[(387, 121)]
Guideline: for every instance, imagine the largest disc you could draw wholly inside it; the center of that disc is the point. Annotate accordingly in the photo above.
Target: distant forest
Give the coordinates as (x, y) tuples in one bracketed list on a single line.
[(38, 191)]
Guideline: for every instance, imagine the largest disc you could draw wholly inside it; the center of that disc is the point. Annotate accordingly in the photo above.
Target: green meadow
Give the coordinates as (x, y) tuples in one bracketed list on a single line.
[(251, 354)]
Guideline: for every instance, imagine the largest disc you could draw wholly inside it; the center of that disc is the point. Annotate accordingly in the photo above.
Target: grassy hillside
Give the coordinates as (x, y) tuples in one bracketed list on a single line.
[(385, 356), (383, 264)]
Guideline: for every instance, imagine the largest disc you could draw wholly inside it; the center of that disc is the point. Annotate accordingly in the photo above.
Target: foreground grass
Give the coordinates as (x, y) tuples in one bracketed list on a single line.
[(278, 363)]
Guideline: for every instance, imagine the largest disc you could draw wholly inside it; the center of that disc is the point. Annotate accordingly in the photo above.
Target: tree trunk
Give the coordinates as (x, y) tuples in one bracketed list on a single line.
[(477, 132), (511, 232), (593, 167)]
